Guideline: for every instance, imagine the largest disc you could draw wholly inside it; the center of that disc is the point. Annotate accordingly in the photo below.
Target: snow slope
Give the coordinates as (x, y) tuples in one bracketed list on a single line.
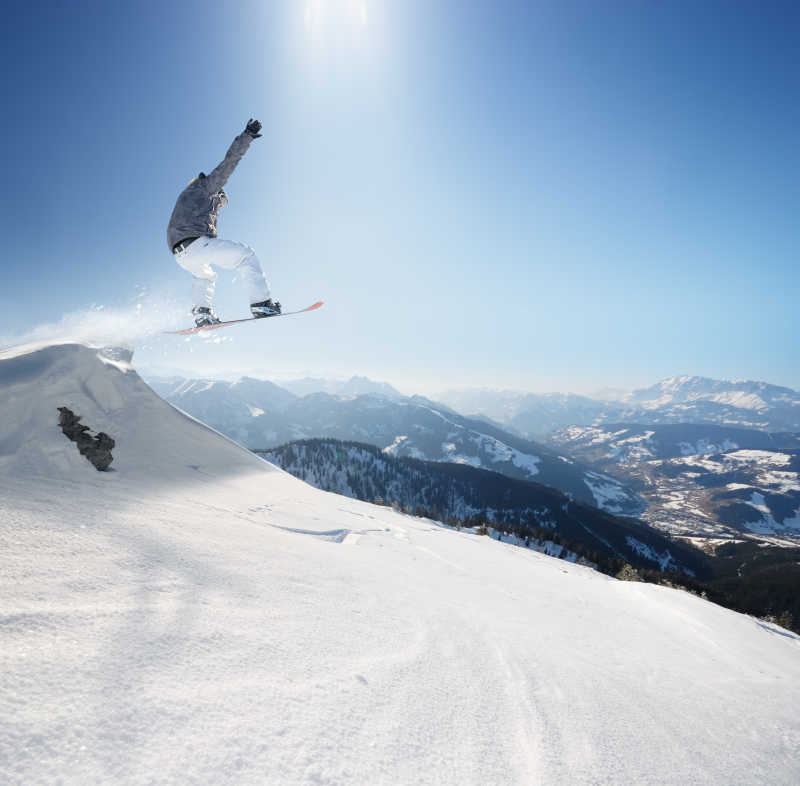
[(198, 616)]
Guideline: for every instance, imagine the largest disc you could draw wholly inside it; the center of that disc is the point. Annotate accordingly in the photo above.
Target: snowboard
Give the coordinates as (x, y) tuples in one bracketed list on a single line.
[(190, 331)]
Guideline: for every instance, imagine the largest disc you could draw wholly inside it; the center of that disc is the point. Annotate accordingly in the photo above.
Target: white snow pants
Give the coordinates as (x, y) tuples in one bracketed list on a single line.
[(199, 257)]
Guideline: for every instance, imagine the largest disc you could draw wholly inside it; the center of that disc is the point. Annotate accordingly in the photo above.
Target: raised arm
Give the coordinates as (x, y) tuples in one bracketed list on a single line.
[(238, 148)]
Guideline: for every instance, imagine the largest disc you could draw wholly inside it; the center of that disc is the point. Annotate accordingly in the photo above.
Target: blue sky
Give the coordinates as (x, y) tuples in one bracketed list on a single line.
[(541, 195)]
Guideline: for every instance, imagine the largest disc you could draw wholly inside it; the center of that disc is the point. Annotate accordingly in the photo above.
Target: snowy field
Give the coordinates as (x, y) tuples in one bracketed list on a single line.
[(197, 616)]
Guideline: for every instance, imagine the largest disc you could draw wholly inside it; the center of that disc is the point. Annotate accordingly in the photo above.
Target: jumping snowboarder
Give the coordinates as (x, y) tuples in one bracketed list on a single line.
[(192, 238)]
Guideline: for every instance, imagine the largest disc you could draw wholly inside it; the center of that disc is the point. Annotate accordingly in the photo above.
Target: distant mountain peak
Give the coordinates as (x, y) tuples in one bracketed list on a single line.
[(742, 394)]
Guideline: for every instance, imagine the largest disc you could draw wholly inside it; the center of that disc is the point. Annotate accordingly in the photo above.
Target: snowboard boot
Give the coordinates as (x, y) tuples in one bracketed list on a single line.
[(203, 316), (266, 308)]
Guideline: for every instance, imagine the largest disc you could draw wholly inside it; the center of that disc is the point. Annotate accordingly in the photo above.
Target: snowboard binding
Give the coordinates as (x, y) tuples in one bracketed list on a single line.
[(265, 308), (204, 316)]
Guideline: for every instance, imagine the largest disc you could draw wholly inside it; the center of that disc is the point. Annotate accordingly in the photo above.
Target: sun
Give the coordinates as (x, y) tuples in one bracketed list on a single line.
[(319, 12)]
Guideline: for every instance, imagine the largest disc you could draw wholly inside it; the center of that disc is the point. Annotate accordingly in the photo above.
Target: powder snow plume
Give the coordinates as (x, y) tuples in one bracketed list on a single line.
[(127, 325)]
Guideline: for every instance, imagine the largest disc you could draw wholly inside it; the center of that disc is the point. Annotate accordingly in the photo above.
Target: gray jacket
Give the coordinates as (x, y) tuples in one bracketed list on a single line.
[(196, 210)]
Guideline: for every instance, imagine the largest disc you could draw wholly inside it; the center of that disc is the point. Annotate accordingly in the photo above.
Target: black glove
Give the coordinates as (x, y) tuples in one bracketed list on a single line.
[(253, 127)]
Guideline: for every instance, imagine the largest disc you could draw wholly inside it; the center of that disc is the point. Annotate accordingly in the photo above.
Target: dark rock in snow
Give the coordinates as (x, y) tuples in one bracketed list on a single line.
[(97, 449)]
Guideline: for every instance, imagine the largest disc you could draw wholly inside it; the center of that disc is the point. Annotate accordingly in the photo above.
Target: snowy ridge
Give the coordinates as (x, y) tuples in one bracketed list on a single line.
[(199, 616), (101, 386), (496, 451)]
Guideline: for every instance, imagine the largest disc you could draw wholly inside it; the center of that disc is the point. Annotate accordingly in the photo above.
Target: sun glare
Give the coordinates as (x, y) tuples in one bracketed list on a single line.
[(320, 12)]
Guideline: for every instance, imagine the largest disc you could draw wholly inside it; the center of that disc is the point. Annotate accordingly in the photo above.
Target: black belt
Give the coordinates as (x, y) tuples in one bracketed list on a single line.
[(182, 245)]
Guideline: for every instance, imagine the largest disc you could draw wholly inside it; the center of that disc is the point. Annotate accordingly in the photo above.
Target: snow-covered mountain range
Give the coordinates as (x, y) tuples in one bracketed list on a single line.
[(700, 400), (741, 394), (261, 415), (680, 399), (195, 615)]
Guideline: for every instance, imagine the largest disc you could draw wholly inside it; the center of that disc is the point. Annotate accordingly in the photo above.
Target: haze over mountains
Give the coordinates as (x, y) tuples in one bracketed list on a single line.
[(680, 399)]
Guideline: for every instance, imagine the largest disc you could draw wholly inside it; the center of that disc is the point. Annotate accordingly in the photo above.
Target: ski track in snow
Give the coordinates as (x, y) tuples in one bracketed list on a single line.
[(197, 616)]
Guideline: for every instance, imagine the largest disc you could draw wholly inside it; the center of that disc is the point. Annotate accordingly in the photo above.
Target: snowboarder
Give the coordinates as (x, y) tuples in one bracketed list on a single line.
[(192, 238)]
